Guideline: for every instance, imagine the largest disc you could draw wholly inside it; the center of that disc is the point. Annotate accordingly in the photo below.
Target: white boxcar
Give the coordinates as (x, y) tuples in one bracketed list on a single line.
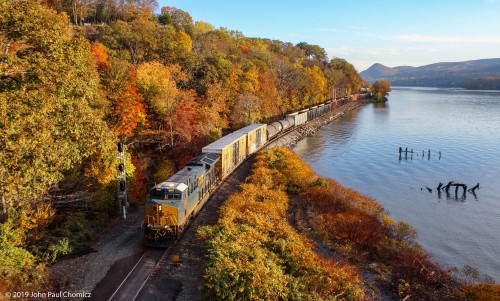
[(298, 117)]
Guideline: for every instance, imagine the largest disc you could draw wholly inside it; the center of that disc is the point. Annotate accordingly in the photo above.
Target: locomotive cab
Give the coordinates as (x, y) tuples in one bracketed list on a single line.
[(165, 211)]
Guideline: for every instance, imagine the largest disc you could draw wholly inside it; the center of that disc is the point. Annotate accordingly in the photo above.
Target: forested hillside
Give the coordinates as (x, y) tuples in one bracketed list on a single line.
[(79, 76), (478, 74)]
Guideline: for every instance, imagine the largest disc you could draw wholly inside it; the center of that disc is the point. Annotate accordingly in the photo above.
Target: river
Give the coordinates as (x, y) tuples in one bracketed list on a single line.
[(455, 136)]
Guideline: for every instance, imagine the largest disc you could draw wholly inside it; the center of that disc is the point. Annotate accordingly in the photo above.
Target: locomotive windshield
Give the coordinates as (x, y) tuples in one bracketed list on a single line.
[(157, 194), (174, 196)]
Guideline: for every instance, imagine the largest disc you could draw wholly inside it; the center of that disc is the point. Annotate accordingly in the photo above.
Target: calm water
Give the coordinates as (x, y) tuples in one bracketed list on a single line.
[(360, 150)]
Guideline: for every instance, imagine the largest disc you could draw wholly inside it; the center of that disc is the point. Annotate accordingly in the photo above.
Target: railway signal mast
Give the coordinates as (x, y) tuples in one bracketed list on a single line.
[(122, 181)]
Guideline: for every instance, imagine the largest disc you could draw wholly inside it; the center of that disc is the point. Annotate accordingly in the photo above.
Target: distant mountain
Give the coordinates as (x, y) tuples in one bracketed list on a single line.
[(477, 74)]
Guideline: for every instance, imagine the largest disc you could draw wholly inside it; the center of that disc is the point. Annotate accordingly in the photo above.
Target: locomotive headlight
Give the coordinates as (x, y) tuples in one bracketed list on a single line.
[(159, 207)]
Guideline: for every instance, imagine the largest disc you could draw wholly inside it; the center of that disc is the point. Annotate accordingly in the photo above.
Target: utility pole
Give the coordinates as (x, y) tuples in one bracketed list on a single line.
[(122, 181)]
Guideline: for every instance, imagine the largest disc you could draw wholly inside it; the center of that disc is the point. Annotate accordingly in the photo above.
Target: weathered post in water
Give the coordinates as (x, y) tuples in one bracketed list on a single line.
[(473, 189), (447, 187)]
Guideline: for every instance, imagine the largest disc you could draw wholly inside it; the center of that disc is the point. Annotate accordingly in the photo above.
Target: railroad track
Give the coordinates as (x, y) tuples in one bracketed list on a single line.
[(132, 285), (135, 280)]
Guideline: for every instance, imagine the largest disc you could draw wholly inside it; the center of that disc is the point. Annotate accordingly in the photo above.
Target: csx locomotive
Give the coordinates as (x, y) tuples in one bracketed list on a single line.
[(173, 201)]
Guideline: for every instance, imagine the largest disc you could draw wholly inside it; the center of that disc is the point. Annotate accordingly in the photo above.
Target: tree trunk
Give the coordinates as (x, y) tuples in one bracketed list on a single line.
[(3, 217), (171, 132)]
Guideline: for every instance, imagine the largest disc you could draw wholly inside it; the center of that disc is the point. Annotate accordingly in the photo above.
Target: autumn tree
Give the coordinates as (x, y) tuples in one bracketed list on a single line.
[(246, 110), (51, 120), (172, 110), (100, 56), (129, 111), (179, 19), (213, 110), (381, 88), (48, 98), (353, 81), (317, 84), (96, 11)]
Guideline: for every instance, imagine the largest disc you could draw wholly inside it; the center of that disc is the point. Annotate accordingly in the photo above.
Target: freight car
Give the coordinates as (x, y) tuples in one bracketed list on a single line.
[(231, 148), (255, 135), (173, 201)]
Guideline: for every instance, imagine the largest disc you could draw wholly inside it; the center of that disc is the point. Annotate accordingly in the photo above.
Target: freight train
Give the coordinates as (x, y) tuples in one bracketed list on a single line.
[(173, 201)]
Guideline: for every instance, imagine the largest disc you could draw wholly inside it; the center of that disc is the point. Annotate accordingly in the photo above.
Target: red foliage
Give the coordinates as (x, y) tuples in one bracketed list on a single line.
[(347, 216), (137, 187)]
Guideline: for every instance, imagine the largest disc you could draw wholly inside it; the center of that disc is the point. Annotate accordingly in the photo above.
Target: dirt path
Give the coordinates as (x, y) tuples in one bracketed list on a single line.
[(121, 240)]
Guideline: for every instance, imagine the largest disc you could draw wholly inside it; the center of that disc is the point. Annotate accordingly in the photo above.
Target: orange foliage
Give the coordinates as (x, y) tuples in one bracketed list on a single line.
[(100, 56), (269, 94), (483, 292), (363, 230), (243, 48), (130, 110)]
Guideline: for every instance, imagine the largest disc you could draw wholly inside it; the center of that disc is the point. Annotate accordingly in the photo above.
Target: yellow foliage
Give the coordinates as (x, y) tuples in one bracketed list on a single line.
[(289, 165), (34, 220), (254, 254), (157, 83), (317, 89)]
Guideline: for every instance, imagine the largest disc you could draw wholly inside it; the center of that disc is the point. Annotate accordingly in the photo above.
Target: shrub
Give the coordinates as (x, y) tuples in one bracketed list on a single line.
[(483, 292), (254, 254), (19, 268)]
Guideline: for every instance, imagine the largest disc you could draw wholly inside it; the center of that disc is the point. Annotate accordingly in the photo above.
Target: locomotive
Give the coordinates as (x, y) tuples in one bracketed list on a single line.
[(173, 201)]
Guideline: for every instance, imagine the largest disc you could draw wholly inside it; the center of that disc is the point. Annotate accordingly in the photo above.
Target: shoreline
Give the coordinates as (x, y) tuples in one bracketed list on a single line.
[(457, 230)]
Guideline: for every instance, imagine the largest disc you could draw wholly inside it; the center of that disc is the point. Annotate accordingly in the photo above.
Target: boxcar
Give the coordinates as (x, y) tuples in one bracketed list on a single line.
[(321, 109), (298, 117), (232, 150), (256, 136), (311, 114)]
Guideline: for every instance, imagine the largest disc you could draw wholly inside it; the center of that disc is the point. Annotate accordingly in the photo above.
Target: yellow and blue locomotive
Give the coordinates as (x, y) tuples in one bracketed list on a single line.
[(173, 201)]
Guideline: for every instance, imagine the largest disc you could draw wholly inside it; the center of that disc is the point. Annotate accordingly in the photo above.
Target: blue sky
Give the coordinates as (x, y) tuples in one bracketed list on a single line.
[(394, 33)]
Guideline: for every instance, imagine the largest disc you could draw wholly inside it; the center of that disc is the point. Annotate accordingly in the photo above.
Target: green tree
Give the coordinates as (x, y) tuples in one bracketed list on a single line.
[(178, 18), (136, 41), (313, 51)]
